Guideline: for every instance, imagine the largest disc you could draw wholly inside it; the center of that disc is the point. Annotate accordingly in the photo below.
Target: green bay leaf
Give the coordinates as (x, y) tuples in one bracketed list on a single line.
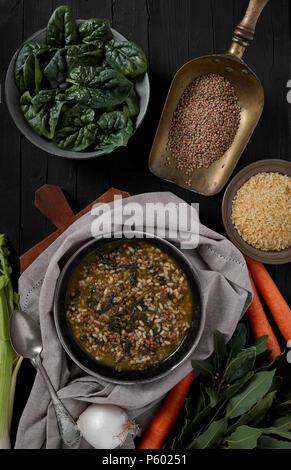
[(261, 344), (220, 351), (266, 442), (211, 437), (200, 420), (240, 365), (234, 388), (244, 437), (238, 340), (256, 389), (276, 432), (283, 423), (256, 413), (205, 368), (213, 396)]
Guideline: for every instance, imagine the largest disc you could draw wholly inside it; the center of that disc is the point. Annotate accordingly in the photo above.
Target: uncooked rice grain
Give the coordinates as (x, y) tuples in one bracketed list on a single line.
[(261, 211)]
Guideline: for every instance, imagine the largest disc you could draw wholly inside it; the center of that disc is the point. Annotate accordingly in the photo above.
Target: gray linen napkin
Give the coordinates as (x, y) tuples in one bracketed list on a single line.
[(227, 294)]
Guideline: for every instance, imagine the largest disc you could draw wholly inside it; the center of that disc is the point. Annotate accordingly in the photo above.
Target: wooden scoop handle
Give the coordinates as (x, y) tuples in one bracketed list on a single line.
[(246, 29), (51, 201)]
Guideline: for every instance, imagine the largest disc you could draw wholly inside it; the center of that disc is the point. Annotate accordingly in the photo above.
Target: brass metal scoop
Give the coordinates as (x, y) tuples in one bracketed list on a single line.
[(250, 94)]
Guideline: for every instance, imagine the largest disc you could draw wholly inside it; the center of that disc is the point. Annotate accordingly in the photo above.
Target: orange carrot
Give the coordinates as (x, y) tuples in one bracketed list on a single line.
[(162, 424), (272, 296), (259, 323)]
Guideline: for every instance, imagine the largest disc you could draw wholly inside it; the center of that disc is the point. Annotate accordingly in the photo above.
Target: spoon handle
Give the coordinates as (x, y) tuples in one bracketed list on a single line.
[(67, 426)]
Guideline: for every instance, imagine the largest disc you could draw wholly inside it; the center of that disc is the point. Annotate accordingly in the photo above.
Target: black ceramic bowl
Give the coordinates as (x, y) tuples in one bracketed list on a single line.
[(87, 362)]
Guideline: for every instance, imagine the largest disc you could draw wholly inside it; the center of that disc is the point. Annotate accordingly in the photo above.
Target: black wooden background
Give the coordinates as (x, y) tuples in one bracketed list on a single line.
[(171, 33)]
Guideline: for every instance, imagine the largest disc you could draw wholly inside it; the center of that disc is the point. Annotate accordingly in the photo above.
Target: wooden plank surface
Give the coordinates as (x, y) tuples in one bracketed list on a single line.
[(171, 32), (10, 156)]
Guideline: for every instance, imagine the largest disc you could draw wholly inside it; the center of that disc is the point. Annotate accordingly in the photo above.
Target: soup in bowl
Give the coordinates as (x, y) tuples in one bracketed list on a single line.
[(128, 310)]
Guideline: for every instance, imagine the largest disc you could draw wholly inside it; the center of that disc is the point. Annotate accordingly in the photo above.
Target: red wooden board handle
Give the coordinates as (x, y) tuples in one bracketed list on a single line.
[(46, 199), (51, 201)]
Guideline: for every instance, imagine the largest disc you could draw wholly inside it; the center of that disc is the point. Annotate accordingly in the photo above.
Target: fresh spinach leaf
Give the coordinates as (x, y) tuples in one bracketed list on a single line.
[(56, 71), (76, 116), (62, 29), (126, 57), (95, 31), (42, 112), (96, 77), (98, 88), (73, 64), (116, 129), (131, 105), (76, 140), (32, 74), (83, 54), (41, 51)]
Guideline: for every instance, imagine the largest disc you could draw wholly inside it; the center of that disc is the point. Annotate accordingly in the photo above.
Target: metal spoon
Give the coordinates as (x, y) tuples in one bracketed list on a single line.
[(26, 340)]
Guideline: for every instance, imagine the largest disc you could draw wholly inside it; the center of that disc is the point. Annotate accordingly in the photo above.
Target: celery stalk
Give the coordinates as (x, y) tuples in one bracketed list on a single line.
[(9, 361)]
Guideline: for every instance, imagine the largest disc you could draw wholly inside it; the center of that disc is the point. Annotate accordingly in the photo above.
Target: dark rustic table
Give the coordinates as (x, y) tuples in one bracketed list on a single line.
[(171, 32)]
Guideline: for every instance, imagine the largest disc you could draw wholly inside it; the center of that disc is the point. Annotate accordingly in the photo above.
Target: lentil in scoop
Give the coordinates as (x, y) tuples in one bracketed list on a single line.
[(130, 305), (204, 123)]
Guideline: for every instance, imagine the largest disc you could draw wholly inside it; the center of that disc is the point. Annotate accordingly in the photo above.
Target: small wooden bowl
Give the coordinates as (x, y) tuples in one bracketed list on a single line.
[(271, 165)]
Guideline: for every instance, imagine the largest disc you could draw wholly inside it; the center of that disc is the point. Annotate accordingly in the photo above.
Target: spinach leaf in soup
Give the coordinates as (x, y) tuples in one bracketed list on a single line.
[(98, 88), (56, 70), (95, 31), (76, 140), (42, 111), (115, 131), (126, 57), (32, 74), (131, 104), (76, 116), (83, 54), (41, 51), (62, 28)]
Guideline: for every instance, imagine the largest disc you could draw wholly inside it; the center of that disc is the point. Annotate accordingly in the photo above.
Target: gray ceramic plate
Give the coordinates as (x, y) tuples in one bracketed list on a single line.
[(12, 94), (267, 257)]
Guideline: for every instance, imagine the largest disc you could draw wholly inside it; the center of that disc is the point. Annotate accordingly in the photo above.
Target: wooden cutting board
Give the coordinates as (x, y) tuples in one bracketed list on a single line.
[(51, 201)]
